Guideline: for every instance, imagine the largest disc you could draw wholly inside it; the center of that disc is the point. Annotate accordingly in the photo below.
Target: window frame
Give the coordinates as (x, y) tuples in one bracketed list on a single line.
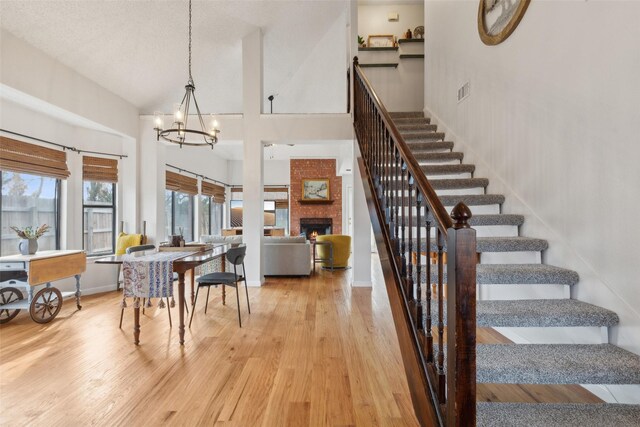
[(57, 204), (113, 219), (173, 212)]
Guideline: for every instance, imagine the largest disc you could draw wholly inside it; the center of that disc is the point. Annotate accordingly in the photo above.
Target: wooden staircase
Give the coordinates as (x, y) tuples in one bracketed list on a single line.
[(394, 153)]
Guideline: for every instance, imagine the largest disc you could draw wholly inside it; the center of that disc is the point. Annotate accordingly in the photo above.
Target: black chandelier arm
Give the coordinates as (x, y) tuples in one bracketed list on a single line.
[(208, 139)]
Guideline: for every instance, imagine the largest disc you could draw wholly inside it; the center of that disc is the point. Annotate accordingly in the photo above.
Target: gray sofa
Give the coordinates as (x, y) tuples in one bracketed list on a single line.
[(283, 256)]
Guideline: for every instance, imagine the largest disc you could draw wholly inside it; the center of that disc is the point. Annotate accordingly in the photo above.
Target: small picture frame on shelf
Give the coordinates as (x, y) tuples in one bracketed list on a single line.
[(380, 40), (316, 189)]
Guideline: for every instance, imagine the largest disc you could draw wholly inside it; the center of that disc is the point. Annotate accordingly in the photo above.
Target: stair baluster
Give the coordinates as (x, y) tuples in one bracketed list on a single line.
[(399, 195)]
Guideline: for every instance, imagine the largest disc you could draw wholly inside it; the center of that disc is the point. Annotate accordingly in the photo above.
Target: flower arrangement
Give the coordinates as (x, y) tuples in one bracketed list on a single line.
[(30, 232)]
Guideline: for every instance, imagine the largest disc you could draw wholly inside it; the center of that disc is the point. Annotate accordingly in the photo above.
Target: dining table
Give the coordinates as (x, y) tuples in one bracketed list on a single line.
[(181, 266)]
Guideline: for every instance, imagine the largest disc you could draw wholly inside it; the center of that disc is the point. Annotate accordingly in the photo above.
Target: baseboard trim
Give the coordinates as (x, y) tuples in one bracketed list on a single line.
[(361, 284)]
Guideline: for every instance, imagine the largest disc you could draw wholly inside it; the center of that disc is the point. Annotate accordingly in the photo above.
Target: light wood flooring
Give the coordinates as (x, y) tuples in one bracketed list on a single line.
[(313, 352)]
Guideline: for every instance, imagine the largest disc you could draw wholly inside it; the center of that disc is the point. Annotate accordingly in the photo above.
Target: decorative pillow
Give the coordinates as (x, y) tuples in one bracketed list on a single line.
[(127, 240)]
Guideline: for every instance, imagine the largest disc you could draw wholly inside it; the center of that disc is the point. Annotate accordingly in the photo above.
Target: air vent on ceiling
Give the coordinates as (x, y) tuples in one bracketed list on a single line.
[(463, 92)]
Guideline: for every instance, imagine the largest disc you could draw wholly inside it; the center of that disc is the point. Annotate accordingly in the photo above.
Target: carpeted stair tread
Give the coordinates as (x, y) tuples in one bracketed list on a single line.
[(406, 115), (472, 199), (458, 183), (556, 364), (547, 313), (520, 274), (482, 220), (418, 147), (495, 244), (416, 128), (438, 156), (423, 136), (543, 313), (412, 120), (447, 169), (503, 414)]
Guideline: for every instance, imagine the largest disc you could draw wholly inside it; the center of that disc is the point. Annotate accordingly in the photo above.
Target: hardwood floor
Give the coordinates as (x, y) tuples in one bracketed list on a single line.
[(314, 351)]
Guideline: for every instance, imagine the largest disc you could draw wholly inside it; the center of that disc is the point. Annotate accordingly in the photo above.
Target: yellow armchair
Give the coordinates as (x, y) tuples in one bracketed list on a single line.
[(341, 250)]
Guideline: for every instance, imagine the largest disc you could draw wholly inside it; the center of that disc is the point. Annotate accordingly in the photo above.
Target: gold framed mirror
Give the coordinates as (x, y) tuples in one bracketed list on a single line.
[(498, 18)]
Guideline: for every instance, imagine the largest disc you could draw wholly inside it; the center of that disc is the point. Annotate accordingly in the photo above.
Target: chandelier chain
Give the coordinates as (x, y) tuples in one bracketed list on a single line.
[(190, 76)]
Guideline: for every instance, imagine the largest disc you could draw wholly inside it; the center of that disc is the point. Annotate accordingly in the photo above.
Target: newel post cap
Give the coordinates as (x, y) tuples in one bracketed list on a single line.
[(461, 215)]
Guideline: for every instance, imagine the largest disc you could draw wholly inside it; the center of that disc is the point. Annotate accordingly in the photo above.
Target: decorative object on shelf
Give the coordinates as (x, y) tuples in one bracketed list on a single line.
[(179, 132), (407, 35), (497, 19), (316, 189), (29, 238), (361, 41), (380, 40), (418, 32)]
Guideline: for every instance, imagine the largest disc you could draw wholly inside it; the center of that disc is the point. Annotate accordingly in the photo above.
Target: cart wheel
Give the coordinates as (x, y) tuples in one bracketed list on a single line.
[(8, 295), (46, 305)]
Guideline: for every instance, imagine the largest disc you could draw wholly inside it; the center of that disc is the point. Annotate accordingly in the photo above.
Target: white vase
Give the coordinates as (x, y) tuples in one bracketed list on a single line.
[(28, 246)]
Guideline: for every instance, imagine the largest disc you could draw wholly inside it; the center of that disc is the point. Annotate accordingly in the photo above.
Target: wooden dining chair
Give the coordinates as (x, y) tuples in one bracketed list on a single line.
[(235, 256)]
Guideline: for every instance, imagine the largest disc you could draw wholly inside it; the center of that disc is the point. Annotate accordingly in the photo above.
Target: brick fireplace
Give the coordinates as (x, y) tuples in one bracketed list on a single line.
[(309, 169)]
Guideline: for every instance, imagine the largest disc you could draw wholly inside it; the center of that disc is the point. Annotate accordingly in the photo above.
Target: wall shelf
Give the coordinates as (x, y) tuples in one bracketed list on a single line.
[(377, 49), (315, 202), (412, 56), (411, 41), (380, 65)]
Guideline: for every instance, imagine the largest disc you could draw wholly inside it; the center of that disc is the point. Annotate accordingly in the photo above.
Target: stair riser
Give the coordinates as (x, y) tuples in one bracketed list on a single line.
[(523, 292), (524, 257), (431, 162), (405, 128), (457, 175)]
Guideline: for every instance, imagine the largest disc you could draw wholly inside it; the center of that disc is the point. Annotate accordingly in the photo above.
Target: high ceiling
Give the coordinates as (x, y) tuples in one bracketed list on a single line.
[(138, 49)]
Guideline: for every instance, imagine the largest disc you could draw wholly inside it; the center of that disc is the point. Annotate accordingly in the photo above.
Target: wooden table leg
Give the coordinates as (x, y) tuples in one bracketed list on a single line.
[(224, 295), (181, 303), (136, 324)]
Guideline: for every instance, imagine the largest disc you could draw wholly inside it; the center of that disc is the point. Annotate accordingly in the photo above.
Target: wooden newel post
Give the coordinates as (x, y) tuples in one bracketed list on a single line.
[(461, 320)]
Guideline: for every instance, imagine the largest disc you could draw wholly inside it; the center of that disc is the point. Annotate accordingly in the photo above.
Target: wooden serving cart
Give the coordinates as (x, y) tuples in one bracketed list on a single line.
[(31, 271)]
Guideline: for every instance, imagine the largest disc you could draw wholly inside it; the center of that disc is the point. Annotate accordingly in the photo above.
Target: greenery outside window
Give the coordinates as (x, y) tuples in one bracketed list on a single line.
[(29, 200)]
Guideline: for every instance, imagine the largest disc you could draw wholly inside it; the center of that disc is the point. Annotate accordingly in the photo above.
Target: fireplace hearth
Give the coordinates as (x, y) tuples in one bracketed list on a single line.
[(320, 226)]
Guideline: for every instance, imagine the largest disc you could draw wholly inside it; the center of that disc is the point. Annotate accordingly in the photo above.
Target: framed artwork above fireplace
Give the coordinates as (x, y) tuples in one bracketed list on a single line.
[(316, 189)]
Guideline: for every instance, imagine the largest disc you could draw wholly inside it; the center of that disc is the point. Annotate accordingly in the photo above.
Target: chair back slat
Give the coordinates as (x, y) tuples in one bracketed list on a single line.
[(236, 255)]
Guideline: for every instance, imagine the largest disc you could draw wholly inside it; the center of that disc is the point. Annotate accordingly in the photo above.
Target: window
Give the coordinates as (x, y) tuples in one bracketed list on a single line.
[(99, 217), (29, 200), (179, 214), (205, 215), (210, 216)]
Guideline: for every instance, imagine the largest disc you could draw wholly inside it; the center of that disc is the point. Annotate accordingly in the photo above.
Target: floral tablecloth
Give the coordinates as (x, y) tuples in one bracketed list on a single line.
[(149, 276)]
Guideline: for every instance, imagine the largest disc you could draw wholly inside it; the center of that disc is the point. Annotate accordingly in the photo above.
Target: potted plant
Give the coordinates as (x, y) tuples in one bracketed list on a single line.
[(361, 41), (29, 238)]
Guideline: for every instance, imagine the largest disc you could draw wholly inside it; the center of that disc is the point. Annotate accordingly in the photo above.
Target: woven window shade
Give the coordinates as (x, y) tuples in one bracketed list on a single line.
[(99, 169), (213, 190), (282, 204), (181, 183), (22, 157)]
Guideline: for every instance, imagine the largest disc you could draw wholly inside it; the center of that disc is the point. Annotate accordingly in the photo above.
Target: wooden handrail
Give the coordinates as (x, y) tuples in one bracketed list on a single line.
[(439, 212), (402, 206)]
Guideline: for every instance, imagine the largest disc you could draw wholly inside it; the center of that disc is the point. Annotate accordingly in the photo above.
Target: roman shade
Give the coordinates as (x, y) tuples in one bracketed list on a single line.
[(181, 183), (22, 157), (214, 191), (99, 169)]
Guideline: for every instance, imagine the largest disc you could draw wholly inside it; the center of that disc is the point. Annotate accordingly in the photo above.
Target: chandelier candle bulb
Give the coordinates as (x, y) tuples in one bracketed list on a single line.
[(158, 120)]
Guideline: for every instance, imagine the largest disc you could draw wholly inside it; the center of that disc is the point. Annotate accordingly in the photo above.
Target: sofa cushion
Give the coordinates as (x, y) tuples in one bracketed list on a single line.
[(285, 239)]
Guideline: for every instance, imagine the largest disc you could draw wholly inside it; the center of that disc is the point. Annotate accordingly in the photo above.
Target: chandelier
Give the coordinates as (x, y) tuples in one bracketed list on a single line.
[(179, 131)]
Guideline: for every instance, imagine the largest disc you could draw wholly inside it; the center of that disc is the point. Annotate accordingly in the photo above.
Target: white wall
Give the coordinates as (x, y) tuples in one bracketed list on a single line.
[(553, 121), (17, 118), (372, 19), (401, 88)]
